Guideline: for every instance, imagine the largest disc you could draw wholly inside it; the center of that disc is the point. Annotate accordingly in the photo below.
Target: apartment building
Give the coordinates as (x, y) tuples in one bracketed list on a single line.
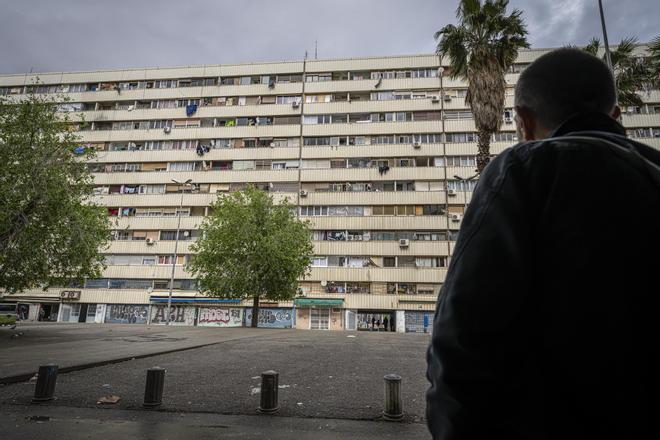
[(378, 153)]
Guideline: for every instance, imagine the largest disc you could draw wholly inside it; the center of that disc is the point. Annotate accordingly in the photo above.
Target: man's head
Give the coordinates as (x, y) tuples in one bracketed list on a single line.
[(558, 85)]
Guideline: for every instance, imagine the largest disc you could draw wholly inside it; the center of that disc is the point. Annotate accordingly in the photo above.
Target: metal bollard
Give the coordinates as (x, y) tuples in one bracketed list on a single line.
[(153, 390), (45, 389), (393, 408), (269, 387)]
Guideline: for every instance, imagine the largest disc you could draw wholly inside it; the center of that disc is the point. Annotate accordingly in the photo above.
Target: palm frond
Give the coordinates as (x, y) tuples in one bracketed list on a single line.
[(592, 46)]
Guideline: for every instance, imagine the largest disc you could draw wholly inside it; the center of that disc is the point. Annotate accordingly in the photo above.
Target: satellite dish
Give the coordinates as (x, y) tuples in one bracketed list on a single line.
[(324, 283)]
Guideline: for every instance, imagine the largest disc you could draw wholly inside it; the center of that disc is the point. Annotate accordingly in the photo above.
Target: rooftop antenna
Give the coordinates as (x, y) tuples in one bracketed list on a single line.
[(316, 49), (305, 54)]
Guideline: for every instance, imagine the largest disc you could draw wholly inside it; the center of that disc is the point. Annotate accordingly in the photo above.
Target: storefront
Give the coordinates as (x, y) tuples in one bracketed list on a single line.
[(376, 320), (319, 314), (126, 314), (82, 312), (271, 317), (419, 322)]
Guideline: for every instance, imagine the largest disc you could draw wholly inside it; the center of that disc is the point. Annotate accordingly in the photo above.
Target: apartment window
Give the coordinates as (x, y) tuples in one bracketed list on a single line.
[(286, 99), (461, 137), (164, 84), (432, 210), (505, 137), (389, 261), (182, 166), (320, 262)]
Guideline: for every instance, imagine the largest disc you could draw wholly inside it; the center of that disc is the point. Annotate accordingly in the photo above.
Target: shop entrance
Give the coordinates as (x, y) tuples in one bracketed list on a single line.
[(376, 321), (48, 312), (320, 319)]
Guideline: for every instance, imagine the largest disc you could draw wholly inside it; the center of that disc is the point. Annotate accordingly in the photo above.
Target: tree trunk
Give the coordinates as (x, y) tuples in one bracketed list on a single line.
[(255, 311), (483, 150)]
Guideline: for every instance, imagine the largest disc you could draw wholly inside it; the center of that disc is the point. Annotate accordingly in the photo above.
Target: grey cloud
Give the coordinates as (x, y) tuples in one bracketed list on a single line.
[(49, 35)]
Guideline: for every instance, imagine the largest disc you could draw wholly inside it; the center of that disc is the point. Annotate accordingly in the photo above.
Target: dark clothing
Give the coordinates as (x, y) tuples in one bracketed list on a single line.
[(547, 323)]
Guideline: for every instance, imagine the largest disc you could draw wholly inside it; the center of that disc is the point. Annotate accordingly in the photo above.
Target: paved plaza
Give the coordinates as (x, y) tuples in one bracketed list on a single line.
[(324, 376)]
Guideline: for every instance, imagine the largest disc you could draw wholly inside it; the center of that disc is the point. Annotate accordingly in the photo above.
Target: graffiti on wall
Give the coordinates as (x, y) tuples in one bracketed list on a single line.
[(126, 314), (216, 316), (179, 315), (271, 318)]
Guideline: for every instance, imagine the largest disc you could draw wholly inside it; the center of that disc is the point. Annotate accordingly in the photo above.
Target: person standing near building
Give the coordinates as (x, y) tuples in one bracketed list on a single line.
[(385, 323), (547, 324)]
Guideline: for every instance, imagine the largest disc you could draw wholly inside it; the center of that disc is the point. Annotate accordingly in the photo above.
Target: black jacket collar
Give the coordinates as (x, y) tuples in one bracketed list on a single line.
[(588, 122)]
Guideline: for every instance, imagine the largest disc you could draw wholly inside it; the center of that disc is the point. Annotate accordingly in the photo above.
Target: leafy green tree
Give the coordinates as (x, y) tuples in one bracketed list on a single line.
[(633, 74), (481, 48), (251, 248), (50, 233)]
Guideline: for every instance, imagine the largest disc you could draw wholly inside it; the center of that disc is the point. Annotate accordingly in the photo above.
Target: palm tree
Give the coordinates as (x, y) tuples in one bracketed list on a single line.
[(481, 48), (654, 59), (632, 73)]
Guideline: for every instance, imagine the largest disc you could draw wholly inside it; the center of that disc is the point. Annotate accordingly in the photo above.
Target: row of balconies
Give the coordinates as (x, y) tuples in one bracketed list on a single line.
[(308, 152), (374, 247), (372, 223), (401, 275), (287, 175), (281, 131), (280, 109), (352, 198)]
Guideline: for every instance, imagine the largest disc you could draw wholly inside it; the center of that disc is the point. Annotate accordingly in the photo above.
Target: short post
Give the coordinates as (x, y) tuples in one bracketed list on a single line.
[(269, 387), (45, 389), (153, 390), (393, 408)]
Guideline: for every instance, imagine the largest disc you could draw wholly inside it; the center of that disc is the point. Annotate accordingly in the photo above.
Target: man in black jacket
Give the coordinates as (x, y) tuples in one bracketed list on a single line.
[(547, 323)]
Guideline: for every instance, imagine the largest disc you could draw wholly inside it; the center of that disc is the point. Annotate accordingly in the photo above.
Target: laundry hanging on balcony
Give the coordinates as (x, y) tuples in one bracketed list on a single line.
[(79, 150), (191, 109)]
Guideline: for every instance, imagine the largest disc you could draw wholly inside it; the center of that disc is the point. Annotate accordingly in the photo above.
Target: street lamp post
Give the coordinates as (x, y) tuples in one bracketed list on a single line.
[(176, 246)]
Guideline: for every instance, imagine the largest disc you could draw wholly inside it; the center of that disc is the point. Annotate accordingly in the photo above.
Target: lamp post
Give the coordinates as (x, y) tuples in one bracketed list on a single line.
[(176, 246)]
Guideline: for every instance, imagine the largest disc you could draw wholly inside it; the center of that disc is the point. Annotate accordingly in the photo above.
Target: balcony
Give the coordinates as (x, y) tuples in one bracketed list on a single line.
[(159, 247), (391, 275), (374, 198), (381, 248)]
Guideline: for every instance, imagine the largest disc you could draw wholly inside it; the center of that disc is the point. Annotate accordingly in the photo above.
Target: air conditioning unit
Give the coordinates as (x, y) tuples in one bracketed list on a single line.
[(324, 283), (447, 98), (351, 238), (451, 192), (272, 145), (435, 99), (417, 144), (508, 119), (455, 217), (150, 241), (404, 242), (167, 129), (303, 193), (295, 104)]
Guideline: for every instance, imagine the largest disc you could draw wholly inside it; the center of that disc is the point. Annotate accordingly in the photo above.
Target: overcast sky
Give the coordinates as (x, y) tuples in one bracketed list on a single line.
[(65, 35)]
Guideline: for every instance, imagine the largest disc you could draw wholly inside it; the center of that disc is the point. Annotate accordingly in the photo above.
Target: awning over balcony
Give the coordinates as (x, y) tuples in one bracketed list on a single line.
[(310, 302)]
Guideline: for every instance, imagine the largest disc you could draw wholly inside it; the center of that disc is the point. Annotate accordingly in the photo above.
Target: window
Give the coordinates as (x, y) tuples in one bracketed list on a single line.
[(461, 137), (320, 262), (389, 261), (320, 319)]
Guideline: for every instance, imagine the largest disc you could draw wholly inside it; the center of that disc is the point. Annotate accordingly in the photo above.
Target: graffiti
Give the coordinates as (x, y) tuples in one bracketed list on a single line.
[(126, 314), (179, 315), (214, 316), (271, 318)]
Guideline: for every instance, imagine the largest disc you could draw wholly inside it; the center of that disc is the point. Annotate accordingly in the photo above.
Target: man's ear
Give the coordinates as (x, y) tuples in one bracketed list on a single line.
[(526, 124), (616, 113)]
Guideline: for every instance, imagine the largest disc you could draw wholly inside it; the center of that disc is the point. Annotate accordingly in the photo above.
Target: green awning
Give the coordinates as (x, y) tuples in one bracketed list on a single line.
[(309, 302)]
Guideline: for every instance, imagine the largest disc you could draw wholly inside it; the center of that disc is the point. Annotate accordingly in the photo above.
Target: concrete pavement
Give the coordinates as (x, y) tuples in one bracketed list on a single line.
[(55, 423), (83, 345), (333, 376)]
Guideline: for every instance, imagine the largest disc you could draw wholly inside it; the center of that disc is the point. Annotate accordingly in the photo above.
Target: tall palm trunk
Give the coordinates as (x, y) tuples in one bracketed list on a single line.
[(483, 149)]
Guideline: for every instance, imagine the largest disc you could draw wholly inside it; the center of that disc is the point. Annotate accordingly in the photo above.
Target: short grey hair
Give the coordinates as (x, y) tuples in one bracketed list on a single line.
[(563, 83)]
